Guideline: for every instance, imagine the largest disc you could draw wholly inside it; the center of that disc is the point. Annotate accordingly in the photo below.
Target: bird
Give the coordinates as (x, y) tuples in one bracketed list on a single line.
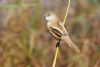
[(58, 31)]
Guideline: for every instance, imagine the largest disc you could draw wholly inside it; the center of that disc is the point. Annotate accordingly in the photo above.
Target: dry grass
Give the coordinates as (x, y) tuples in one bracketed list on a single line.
[(25, 40)]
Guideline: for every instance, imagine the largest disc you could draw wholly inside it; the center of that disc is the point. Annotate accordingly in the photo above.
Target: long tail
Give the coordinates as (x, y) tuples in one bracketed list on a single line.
[(67, 40)]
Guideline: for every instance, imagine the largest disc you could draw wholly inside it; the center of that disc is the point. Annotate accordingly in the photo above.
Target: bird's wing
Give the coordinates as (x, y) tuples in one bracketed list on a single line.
[(56, 31), (61, 26)]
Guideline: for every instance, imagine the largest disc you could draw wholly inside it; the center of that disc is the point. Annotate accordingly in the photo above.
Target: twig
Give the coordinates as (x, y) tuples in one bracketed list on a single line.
[(58, 44), (56, 54), (66, 12)]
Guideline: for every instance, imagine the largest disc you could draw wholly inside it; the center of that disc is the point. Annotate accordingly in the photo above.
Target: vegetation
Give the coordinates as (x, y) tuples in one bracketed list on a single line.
[(26, 42)]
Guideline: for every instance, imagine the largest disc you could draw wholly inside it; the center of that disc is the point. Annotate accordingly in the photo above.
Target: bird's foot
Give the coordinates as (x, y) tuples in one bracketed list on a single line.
[(58, 44)]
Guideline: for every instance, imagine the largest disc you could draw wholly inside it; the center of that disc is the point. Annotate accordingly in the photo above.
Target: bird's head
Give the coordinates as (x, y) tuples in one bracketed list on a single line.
[(50, 16)]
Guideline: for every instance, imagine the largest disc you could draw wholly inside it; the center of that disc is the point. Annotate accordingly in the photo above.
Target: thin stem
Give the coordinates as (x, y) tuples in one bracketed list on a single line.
[(56, 54), (58, 44), (67, 10)]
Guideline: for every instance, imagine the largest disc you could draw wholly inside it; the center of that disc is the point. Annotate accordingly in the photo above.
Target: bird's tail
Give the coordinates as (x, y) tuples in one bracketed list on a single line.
[(67, 40)]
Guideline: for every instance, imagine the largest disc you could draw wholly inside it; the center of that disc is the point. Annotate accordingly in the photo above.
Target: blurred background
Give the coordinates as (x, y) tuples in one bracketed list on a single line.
[(26, 42)]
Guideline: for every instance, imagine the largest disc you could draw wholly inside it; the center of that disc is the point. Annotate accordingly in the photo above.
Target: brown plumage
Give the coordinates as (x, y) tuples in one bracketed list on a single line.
[(57, 29)]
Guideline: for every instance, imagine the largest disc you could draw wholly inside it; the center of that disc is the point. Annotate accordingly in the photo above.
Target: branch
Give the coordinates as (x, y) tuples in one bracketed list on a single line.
[(56, 54), (66, 12)]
